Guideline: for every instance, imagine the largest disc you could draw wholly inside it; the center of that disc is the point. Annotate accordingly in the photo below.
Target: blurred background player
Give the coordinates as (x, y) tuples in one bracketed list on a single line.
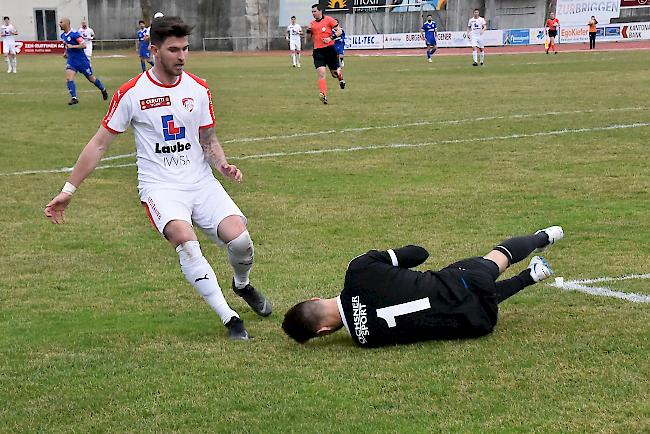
[(294, 32), (321, 30), (383, 302), (475, 28), (592, 32), (551, 30), (88, 34), (339, 44), (429, 31), (143, 46), (8, 31), (77, 61)]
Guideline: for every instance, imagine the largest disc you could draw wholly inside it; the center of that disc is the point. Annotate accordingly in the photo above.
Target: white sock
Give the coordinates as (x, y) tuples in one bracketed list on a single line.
[(14, 62), (201, 276), (293, 58), (8, 63), (298, 58), (482, 56), (474, 56), (240, 255)]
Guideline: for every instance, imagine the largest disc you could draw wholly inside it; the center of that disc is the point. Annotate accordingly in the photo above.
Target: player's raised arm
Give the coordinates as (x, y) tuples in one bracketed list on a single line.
[(88, 160), (215, 156)]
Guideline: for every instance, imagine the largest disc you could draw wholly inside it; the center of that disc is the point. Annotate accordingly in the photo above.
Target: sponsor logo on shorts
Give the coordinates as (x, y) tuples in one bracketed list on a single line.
[(152, 208), (159, 101), (360, 315)]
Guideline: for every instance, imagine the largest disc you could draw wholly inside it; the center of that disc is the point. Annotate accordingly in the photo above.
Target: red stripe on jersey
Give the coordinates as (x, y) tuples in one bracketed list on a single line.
[(157, 83), (115, 101), (204, 84), (146, 208)]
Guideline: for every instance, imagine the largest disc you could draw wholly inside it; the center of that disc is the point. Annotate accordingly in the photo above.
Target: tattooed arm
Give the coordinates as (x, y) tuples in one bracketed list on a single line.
[(215, 156)]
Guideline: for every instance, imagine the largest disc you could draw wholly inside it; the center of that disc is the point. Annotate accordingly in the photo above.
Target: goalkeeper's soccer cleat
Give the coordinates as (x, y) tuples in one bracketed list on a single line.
[(322, 97), (539, 269), (236, 329), (555, 234), (255, 300)]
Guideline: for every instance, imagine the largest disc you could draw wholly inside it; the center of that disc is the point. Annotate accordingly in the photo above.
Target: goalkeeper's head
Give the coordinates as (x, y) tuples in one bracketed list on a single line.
[(311, 319)]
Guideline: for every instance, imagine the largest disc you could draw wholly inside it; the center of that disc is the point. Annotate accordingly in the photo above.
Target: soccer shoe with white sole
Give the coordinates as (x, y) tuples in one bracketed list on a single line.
[(539, 269), (430, 60), (555, 234), (255, 300), (73, 101), (322, 97), (236, 329), (342, 84)]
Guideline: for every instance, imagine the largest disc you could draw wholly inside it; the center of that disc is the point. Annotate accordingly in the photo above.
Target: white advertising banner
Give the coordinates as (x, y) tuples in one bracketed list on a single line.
[(364, 42), (537, 36), (570, 35), (632, 31), (404, 40), (578, 12)]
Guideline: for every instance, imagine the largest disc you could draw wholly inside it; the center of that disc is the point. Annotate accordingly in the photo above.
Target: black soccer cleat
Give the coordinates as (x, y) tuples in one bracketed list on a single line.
[(255, 300), (73, 101), (474, 64), (342, 84), (236, 329), (104, 94)]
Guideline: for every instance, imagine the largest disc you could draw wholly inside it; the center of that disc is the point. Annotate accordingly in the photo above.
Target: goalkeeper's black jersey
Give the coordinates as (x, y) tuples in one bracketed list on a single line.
[(383, 302)]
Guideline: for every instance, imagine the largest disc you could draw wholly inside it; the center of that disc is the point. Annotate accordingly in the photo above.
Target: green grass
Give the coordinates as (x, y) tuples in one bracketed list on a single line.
[(101, 333)]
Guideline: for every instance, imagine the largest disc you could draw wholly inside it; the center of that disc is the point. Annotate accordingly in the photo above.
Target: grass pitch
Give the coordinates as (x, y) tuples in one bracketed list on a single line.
[(100, 331)]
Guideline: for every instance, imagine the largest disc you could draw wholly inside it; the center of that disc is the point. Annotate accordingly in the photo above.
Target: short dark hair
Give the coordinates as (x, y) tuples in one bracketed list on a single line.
[(167, 26), (5, 18), (141, 22), (293, 16), (302, 320), (477, 9), (317, 6)]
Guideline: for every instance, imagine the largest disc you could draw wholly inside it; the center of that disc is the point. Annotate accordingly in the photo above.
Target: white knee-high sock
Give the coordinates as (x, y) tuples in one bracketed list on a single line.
[(8, 62), (14, 60), (482, 56), (240, 255), (200, 275), (474, 56)]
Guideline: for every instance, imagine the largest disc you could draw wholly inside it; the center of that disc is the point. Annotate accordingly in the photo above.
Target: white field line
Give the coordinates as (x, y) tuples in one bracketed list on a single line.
[(373, 147), (603, 291), (411, 124)]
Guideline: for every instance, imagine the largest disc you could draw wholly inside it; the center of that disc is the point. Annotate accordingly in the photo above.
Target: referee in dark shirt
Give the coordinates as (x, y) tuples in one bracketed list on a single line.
[(383, 302)]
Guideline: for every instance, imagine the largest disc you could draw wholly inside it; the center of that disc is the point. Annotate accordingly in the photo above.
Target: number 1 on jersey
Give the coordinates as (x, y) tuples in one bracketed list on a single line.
[(390, 312)]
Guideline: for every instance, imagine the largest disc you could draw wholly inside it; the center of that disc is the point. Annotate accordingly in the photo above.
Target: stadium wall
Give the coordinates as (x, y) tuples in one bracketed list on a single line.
[(22, 14)]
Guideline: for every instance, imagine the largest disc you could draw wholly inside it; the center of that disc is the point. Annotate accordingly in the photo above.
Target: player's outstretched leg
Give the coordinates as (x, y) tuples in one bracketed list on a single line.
[(518, 248), (201, 276), (240, 256), (537, 270), (99, 85)]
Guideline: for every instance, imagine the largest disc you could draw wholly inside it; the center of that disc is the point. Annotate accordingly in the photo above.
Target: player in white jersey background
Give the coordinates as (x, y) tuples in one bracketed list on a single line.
[(88, 34), (8, 31), (172, 117), (475, 29), (294, 33)]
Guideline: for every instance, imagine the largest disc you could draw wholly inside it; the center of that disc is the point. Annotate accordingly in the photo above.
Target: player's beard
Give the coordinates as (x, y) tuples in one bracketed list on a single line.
[(173, 68)]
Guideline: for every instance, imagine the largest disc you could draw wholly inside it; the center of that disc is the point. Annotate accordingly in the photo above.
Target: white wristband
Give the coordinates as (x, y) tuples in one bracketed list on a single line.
[(69, 189)]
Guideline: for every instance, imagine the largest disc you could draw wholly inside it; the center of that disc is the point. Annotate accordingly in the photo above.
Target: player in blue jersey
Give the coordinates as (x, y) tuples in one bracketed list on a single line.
[(77, 60), (339, 43), (143, 46), (428, 33)]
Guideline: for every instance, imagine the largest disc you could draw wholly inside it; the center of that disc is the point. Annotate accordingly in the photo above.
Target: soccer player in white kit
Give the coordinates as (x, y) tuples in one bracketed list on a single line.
[(475, 28), (88, 34), (8, 31), (294, 31), (172, 117)]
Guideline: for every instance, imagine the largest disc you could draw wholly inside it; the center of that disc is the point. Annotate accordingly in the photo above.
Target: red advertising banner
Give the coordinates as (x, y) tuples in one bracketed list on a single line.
[(39, 47), (635, 3)]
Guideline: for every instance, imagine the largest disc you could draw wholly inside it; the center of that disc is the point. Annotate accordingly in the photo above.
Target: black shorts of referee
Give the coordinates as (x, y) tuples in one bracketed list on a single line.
[(552, 33), (326, 56)]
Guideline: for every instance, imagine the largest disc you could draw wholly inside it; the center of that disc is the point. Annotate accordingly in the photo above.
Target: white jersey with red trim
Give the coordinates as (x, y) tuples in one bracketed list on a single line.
[(166, 120)]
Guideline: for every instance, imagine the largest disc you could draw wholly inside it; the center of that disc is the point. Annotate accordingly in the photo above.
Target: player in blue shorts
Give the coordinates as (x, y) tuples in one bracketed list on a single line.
[(428, 32), (77, 61), (143, 46), (339, 43)]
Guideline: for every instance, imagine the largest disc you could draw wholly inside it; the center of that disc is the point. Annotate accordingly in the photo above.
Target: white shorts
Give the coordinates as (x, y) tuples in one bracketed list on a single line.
[(88, 50), (294, 45), (477, 41), (8, 48), (204, 207)]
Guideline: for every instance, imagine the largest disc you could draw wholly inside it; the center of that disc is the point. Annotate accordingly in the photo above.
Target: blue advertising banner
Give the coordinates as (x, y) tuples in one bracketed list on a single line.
[(516, 37)]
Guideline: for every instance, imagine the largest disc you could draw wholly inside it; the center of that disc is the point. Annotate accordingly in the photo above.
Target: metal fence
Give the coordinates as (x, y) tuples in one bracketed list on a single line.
[(114, 44), (250, 43)]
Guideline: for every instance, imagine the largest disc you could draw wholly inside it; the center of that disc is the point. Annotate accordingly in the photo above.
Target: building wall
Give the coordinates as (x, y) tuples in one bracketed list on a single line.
[(21, 13)]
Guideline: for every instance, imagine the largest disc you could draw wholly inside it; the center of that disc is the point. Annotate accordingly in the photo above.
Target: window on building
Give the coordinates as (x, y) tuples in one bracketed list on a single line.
[(46, 25)]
